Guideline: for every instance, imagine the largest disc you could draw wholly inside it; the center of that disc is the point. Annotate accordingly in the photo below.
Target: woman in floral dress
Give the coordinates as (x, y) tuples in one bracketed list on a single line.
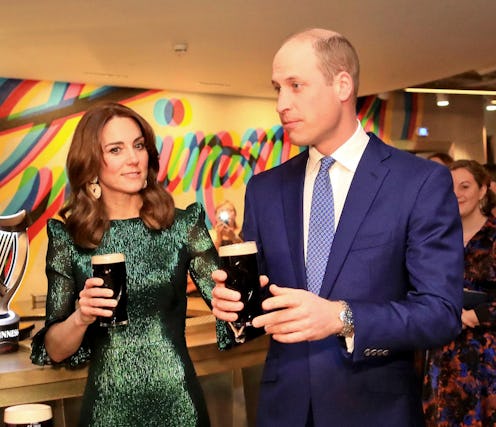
[(460, 384)]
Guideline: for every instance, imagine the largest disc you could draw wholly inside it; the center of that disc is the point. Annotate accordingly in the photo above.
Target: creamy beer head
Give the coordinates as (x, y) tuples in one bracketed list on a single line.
[(27, 414), (107, 259), (238, 249)]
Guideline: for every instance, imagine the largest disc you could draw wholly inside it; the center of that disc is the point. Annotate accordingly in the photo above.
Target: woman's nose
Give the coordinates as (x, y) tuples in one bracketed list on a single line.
[(132, 156)]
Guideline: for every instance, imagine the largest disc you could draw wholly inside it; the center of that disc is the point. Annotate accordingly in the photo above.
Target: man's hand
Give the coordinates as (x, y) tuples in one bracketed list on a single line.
[(299, 316), (226, 302)]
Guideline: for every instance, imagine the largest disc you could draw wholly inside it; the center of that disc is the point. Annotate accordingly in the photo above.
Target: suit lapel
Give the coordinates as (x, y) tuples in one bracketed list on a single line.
[(293, 179), (366, 183)]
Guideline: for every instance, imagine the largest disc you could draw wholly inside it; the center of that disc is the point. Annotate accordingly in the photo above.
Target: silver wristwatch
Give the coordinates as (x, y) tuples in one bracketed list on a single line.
[(346, 316)]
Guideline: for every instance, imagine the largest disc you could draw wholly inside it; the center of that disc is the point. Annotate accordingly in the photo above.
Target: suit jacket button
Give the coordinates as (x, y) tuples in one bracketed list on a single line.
[(373, 352), (367, 352), (385, 353)]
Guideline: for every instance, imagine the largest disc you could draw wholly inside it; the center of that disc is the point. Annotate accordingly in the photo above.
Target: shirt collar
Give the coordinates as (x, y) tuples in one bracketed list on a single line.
[(348, 154)]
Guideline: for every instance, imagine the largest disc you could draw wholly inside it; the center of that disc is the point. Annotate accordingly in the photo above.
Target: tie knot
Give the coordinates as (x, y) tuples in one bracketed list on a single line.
[(326, 163)]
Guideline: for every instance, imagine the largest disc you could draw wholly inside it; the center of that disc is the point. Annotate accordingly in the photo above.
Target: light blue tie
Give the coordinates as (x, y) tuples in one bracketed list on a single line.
[(321, 229)]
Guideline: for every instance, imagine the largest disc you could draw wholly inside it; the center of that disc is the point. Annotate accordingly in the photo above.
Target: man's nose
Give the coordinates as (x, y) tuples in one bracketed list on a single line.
[(283, 102)]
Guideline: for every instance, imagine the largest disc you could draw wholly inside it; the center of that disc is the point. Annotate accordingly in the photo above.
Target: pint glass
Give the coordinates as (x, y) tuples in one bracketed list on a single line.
[(239, 261), (112, 269)]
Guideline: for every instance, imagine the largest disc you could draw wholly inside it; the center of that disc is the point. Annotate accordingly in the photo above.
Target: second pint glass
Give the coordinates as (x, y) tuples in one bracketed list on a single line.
[(239, 261)]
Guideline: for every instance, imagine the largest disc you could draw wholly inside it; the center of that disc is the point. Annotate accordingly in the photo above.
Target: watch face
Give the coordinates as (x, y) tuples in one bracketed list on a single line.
[(346, 316)]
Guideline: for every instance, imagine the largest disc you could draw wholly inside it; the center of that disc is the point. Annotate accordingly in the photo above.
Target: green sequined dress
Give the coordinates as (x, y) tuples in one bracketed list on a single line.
[(139, 374)]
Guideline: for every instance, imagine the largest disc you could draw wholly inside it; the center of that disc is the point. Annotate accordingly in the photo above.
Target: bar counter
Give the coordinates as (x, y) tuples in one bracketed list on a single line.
[(22, 382)]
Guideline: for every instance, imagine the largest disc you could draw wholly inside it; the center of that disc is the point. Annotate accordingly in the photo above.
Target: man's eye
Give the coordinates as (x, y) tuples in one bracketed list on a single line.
[(296, 85)]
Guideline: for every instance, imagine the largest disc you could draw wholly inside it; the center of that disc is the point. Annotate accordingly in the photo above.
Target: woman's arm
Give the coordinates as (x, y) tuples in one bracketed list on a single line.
[(64, 338)]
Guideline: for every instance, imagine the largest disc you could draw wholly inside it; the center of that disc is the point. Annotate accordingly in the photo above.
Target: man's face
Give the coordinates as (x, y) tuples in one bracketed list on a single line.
[(308, 104)]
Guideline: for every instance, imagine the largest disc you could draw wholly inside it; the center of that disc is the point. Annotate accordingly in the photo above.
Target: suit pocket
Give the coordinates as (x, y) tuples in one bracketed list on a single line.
[(391, 380)]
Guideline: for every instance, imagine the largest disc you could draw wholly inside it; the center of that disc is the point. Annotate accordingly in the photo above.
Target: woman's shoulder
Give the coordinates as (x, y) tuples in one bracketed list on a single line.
[(56, 225), (56, 229), (192, 212), (490, 226)]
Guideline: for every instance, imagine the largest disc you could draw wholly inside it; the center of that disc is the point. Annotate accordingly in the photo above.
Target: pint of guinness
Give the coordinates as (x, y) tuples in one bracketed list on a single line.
[(112, 269), (239, 261), (30, 415)]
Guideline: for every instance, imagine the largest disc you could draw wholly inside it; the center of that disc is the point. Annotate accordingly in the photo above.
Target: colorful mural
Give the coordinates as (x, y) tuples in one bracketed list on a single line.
[(38, 118)]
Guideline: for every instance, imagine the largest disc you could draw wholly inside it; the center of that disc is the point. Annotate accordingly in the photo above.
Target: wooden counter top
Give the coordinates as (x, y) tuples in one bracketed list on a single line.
[(23, 382)]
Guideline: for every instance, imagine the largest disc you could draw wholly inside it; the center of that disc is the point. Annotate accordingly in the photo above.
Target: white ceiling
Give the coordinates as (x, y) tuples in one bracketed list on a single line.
[(231, 42)]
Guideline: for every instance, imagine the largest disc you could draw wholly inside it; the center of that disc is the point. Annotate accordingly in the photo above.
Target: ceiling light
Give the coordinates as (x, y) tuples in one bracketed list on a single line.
[(442, 100), (491, 104), (450, 91), (180, 48)]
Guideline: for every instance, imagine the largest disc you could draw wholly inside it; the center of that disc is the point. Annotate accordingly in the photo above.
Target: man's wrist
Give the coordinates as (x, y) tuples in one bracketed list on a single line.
[(346, 317)]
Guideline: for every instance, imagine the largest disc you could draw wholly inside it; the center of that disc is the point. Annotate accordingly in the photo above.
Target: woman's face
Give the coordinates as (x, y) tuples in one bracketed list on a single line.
[(467, 191), (125, 160), (226, 214)]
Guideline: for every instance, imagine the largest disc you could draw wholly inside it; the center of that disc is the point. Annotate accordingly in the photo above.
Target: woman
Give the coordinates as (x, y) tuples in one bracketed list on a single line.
[(226, 230), (460, 386), (140, 374)]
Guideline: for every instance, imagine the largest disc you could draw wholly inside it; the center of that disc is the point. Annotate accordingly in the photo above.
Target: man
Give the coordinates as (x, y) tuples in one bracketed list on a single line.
[(342, 355)]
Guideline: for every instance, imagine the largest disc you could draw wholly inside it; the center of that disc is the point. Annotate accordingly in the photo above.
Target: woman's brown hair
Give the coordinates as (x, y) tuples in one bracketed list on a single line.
[(85, 216)]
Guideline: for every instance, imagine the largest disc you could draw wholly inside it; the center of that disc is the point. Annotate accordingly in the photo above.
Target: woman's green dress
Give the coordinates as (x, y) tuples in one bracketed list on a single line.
[(140, 374)]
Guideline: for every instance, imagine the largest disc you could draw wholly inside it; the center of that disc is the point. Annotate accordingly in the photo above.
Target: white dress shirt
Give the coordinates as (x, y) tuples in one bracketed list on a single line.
[(341, 173)]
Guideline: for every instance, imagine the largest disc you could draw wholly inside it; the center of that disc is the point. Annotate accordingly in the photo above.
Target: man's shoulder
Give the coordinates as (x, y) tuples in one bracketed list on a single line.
[(401, 158), (297, 162)]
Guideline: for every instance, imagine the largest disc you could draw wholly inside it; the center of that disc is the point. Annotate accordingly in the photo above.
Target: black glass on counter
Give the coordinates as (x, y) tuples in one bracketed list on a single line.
[(29, 415)]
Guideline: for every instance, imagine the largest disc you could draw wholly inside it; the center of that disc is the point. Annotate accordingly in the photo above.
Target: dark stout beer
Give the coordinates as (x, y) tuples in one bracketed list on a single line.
[(112, 269), (239, 261)]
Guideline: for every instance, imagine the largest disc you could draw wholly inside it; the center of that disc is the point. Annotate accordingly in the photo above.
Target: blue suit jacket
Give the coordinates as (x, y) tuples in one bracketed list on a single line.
[(397, 259)]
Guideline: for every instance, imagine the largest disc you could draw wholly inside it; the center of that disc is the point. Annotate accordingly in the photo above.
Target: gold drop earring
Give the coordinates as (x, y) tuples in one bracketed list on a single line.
[(95, 188)]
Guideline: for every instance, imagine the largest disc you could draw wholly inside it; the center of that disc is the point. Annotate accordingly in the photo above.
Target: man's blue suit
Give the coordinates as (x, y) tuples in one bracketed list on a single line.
[(397, 259)]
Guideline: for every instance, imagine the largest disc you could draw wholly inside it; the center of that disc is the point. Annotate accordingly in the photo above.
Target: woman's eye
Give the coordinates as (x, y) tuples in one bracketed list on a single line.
[(140, 145), (115, 150)]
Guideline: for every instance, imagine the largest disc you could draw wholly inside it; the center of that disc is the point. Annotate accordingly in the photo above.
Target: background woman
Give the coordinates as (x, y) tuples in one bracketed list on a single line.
[(140, 374), (460, 386), (226, 229)]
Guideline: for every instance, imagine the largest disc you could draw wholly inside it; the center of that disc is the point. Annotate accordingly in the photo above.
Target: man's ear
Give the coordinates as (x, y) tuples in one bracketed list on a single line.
[(343, 86)]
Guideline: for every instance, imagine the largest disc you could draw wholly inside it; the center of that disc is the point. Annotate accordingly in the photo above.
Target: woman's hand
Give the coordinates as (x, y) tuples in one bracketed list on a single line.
[(94, 301)]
